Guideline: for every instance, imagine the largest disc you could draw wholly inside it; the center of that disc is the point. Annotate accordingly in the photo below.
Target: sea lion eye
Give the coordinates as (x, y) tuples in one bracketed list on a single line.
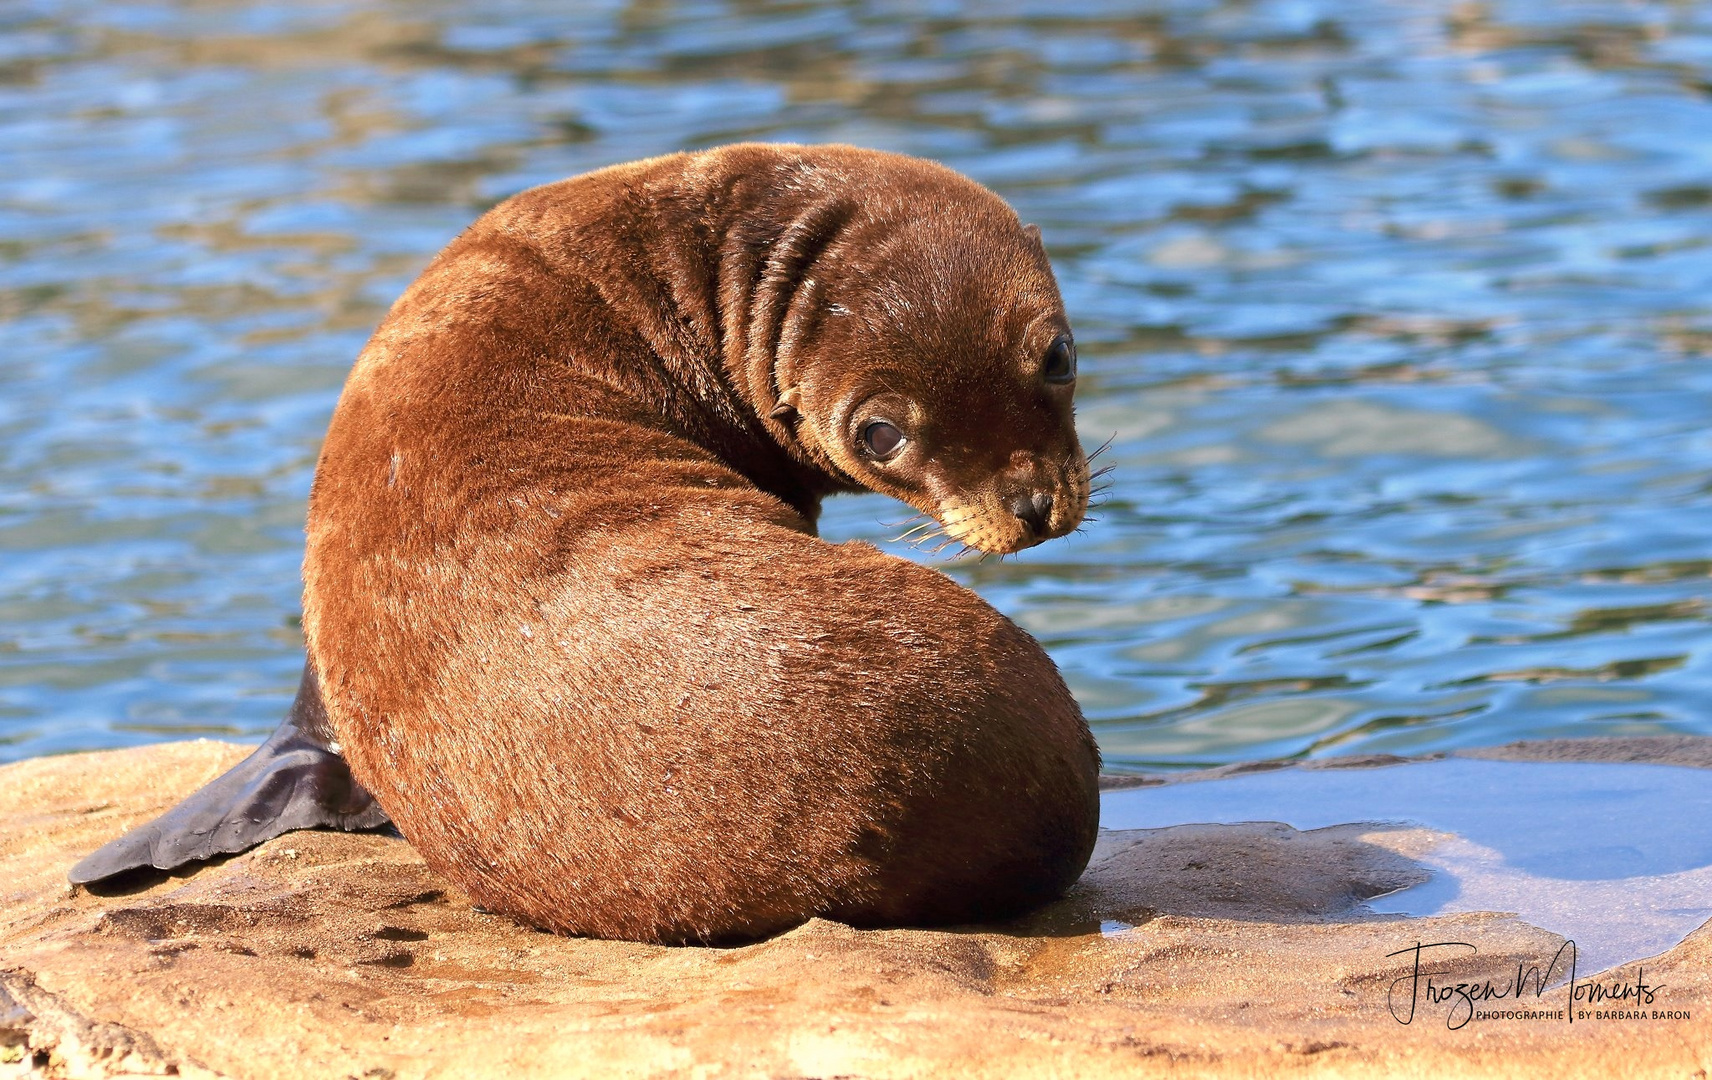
[(881, 440), (1060, 365)]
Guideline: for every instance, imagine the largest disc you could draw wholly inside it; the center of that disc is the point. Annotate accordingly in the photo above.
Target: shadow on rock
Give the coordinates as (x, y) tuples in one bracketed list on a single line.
[(1253, 872)]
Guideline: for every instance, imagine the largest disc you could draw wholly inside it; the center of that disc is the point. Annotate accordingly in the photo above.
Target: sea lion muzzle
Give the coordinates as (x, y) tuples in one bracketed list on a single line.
[(1035, 511)]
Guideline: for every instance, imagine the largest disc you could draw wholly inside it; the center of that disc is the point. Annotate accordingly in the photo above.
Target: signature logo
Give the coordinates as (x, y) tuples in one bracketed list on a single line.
[(1522, 997)]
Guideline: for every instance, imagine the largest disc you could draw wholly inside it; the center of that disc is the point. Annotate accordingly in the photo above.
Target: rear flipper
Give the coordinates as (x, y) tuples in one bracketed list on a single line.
[(295, 780)]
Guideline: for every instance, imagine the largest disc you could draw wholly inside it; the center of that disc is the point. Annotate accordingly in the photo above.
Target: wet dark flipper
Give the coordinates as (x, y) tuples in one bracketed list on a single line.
[(295, 780)]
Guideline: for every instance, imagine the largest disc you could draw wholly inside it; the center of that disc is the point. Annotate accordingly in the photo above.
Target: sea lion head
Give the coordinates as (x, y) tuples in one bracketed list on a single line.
[(939, 368)]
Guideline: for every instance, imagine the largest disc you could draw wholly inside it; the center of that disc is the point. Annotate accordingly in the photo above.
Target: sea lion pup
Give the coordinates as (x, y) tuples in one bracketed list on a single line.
[(572, 624)]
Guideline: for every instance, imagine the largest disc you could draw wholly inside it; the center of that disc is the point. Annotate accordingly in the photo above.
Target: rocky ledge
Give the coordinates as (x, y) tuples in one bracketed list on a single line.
[(1235, 949)]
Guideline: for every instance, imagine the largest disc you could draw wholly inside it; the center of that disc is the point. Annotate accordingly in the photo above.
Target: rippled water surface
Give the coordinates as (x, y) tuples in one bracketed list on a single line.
[(1397, 315)]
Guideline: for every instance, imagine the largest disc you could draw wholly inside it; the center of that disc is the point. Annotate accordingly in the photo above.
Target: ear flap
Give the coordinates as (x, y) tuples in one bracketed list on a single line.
[(789, 399), (1032, 231)]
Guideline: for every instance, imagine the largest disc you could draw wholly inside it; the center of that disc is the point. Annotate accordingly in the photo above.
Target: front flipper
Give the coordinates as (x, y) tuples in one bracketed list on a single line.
[(295, 780)]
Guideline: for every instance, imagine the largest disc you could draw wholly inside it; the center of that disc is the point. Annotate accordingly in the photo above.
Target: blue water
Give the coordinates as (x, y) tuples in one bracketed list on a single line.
[(1617, 857), (1397, 313)]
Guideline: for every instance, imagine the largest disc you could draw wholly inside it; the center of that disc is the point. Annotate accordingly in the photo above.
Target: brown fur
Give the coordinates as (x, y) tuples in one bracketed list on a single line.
[(573, 625)]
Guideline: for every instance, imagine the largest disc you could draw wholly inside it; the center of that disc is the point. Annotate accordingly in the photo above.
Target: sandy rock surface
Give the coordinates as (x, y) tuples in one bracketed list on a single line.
[(1233, 950)]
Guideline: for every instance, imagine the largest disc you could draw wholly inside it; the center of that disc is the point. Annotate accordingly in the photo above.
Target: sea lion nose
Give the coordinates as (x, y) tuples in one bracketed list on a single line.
[(1035, 510)]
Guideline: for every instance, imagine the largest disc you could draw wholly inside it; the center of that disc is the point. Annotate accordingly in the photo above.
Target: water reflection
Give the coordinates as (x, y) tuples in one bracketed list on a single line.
[(1396, 313), (1565, 846)]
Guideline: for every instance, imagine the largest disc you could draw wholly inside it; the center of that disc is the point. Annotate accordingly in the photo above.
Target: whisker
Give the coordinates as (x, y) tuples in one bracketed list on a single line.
[(1103, 447), (912, 519), (924, 527)]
